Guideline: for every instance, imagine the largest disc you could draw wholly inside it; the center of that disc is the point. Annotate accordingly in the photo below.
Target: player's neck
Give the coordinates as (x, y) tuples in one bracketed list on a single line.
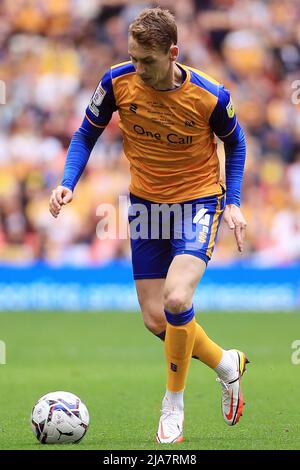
[(172, 80)]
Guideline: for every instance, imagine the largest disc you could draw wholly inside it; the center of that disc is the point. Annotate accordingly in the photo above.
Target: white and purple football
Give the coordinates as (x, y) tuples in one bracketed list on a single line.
[(59, 418)]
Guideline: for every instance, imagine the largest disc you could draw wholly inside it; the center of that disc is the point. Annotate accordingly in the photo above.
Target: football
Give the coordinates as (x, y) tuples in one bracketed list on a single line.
[(59, 418)]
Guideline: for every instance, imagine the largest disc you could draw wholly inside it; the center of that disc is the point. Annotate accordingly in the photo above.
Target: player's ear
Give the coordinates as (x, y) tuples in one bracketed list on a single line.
[(174, 51)]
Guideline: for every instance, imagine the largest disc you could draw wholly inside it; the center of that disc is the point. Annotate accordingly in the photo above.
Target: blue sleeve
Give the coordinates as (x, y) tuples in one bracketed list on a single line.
[(79, 151), (103, 102), (224, 123), (98, 115), (223, 119), (235, 153)]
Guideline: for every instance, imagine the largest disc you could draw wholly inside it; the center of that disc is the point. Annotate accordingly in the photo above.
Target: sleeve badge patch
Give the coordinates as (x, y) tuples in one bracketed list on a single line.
[(230, 109), (98, 95), (94, 109)]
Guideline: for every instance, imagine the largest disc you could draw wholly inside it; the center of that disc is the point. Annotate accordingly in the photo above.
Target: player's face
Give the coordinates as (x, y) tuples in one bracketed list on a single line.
[(153, 66)]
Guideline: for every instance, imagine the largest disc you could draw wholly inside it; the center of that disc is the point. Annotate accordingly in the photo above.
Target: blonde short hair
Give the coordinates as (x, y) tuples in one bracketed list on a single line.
[(154, 28)]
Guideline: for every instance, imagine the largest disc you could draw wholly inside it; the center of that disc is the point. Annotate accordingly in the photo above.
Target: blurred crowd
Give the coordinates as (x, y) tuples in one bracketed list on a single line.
[(52, 55)]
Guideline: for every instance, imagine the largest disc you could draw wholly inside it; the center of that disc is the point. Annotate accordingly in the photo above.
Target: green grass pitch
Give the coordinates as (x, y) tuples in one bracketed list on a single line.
[(118, 369)]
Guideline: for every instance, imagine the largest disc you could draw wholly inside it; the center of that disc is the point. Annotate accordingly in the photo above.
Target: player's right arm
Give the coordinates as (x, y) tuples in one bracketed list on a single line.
[(98, 115)]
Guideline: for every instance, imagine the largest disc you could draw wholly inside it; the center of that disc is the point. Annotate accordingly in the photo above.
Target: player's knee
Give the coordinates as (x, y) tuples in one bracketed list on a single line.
[(154, 319), (154, 325), (176, 301)]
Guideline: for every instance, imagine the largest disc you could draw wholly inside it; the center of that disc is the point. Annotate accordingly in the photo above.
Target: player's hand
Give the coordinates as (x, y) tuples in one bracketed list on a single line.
[(234, 218), (59, 197)]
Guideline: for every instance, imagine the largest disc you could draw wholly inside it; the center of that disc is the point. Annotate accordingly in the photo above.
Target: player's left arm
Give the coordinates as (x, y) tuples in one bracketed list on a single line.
[(223, 122)]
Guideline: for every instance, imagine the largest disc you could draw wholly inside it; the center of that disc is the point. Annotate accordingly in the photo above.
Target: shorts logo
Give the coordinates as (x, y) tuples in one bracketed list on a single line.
[(230, 109), (99, 95)]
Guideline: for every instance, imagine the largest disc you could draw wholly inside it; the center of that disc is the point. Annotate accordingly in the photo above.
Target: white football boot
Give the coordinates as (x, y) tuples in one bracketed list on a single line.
[(232, 398), (170, 426)]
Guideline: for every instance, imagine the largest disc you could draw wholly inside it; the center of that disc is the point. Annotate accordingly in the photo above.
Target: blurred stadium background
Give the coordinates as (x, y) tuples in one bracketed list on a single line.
[(52, 54)]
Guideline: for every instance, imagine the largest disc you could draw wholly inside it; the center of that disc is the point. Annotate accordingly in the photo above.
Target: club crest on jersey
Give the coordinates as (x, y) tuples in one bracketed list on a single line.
[(99, 95), (230, 109)]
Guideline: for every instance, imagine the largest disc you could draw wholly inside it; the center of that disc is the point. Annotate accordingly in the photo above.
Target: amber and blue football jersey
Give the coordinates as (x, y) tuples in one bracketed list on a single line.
[(169, 136)]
